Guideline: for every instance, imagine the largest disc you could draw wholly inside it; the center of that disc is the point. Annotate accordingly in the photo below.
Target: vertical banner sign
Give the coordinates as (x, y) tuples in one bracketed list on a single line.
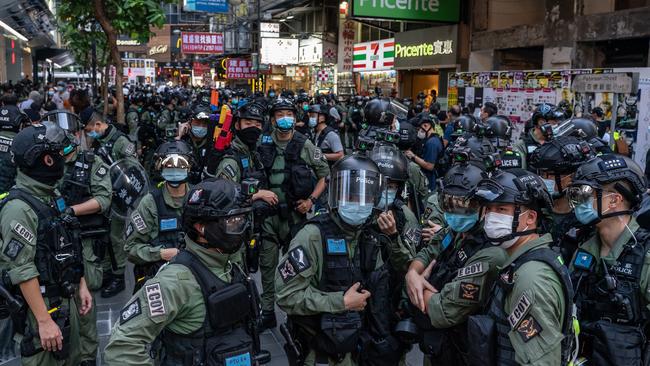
[(197, 42), (346, 45), (374, 56)]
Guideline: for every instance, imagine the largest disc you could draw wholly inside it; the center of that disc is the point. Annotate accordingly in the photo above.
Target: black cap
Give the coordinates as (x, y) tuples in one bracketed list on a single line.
[(86, 115)]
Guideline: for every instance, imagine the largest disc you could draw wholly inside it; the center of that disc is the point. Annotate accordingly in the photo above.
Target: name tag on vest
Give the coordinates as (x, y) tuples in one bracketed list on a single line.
[(168, 224), (336, 246)]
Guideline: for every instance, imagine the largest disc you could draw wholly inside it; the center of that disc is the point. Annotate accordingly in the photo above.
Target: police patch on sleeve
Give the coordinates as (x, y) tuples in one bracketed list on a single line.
[(413, 234), (130, 311), (101, 172), (138, 221), (129, 149), (472, 269), (296, 263), (469, 291), (128, 231), (23, 232), (529, 328), (13, 249), (155, 300), (521, 309), (230, 170), (318, 154)]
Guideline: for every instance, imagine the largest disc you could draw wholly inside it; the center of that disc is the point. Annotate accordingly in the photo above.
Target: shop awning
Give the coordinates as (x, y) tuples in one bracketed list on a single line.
[(58, 56)]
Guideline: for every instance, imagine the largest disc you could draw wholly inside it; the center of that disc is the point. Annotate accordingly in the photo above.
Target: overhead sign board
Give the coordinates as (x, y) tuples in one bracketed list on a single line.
[(419, 10), (604, 83), (238, 68), (198, 42), (426, 48), (374, 56), (269, 30), (279, 51), (209, 6)]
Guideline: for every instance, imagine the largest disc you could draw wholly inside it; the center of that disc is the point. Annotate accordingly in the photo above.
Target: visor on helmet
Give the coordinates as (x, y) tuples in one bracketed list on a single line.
[(458, 204), (355, 186)]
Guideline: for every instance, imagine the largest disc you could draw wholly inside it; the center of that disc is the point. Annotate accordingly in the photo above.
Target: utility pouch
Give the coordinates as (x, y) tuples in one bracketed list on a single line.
[(482, 343), (302, 181), (613, 344), (341, 333), (229, 306), (234, 348)]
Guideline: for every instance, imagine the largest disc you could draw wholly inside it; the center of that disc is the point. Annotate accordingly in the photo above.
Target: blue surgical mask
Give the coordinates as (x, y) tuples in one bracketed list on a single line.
[(313, 121), (354, 214), (50, 92), (285, 123), (585, 212), (550, 185), (174, 175), (387, 199), (271, 95), (461, 223), (199, 132), (94, 134)]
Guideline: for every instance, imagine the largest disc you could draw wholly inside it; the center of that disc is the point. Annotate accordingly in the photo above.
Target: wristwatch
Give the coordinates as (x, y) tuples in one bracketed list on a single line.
[(312, 199)]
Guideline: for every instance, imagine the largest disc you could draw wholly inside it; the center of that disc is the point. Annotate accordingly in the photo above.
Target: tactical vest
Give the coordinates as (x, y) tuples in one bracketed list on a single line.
[(8, 171), (321, 138), (611, 305), (76, 189), (299, 180), (170, 222), (505, 353), (530, 145), (510, 160), (58, 256), (199, 153), (249, 168), (224, 338), (105, 148)]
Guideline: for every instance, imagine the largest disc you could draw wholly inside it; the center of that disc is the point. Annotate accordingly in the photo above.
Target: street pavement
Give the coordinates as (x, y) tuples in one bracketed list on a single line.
[(108, 311)]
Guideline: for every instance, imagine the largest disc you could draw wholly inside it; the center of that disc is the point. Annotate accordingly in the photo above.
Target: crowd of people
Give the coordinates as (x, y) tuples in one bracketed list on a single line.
[(376, 226)]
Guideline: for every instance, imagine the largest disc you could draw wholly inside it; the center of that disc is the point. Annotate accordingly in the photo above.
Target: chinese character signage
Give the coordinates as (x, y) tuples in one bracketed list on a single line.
[(425, 10), (346, 45), (197, 42), (426, 48), (374, 56), (210, 6), (237, 68)]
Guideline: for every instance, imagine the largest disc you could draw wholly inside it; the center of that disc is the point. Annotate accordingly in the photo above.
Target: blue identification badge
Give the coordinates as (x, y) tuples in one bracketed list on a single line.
[(267, 139), (60, 204), (336, 246), (168, 224), (244, 163), (446, 241), (583, 260), (239, 360)]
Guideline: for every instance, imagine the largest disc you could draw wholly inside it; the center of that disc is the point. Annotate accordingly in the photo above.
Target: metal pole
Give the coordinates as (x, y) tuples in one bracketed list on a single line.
[(94, 67)]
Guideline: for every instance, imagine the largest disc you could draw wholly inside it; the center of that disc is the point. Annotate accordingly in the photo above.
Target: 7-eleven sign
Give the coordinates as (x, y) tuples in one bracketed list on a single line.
[(374, 56)]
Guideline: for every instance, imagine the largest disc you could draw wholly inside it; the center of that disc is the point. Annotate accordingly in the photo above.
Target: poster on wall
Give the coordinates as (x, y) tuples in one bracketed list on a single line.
[(279, 51)]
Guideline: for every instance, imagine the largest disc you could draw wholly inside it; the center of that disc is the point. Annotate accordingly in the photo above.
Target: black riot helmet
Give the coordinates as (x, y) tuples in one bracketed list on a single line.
[(32, 143), (282, 104), (253, 111), (457, 189), (498, 130), (173, 154), (201, 112), (319, 109), (355, 180), (225, 212), (391, 162), (12, 118), (468, 148), (602, 170), (59, 136), (518, 187), (464, 124), (377, 113), (557, 157), (582, 128), (408, 135)]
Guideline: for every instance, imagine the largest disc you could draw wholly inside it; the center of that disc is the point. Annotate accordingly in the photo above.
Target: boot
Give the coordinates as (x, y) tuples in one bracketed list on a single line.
[(106, 278), (114, 287), (268, 320)]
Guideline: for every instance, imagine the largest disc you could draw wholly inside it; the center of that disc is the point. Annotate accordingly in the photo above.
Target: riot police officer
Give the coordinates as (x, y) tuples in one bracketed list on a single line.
[(499, 131), (451, 276), (200, 308), (610, 269), (168, 120), (325, 137), (12, 120), (86, 187), (556, 162), (535, 132), (354, 120), (154, 230), (133, 119), (296, 171), (110, 145), (196, 136), (528, 316), (318, 279), (41, 257)]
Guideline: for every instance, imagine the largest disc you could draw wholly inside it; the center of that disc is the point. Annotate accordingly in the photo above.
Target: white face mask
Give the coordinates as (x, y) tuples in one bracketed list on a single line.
[(498, 225)]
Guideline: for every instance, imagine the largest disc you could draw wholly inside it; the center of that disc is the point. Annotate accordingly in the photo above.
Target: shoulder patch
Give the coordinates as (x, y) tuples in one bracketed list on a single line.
[(13, 249), (138, 221), (529, 328), (413, 234), (296, 263), (230, 170), (427, 213), (470, 270), (23, 232), (128, 231), (469, 291), (130, 311), (129, 149), (318, 154), (101, 172), (521, 309), (155, 300)]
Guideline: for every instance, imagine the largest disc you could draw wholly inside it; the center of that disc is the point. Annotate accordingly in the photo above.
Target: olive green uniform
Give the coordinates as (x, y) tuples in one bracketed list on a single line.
[(539, 283), (276, 231), (228, 167), (433, 212), (21, 265), (403, 246), (183, 309), (168, 120), (300, 295), (133, 121), (123, 148), (418, 181), (101, 190)]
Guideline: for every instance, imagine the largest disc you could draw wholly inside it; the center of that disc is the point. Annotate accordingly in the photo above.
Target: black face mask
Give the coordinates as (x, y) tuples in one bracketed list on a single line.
[(249, 135), (226, 243), (48, 175)]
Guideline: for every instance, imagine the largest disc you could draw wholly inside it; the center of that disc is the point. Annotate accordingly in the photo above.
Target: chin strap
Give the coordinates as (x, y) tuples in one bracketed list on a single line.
[(601, 215)]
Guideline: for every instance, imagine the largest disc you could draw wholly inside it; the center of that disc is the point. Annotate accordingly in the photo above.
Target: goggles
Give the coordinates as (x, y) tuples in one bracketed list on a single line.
[(458, 204), (579, 194)]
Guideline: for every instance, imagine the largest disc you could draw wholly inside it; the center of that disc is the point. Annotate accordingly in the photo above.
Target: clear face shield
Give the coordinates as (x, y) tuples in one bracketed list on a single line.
[(355, 187), (458, 204)]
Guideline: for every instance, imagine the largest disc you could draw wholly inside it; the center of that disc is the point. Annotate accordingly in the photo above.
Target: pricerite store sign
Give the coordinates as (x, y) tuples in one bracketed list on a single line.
[(425, 10), (426, 48)]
